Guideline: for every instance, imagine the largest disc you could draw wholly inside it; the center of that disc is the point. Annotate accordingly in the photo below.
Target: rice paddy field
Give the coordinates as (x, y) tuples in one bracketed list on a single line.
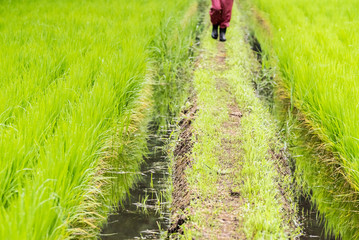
[(78, 82), (314, 47), (84, 84)]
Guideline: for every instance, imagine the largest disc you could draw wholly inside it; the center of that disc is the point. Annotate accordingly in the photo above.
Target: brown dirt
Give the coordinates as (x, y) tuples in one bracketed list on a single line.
[(181, 194), (282, 167)]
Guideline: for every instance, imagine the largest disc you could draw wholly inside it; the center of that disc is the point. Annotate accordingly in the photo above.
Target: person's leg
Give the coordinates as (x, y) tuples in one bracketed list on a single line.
[(227, 6), (216, 12), (216, 17)]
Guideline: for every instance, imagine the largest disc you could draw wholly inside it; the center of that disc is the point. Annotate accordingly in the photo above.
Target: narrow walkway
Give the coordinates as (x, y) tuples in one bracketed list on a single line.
[(233, 176), (216, 152)]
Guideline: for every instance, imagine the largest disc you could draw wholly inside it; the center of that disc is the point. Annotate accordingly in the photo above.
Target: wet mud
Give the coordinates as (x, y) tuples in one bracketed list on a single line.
[(181, 195), (145, 214), (313, 225)]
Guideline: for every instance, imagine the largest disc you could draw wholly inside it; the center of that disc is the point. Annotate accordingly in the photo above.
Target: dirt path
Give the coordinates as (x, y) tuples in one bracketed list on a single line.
[(228, 182), (226, 202), (222, 209)]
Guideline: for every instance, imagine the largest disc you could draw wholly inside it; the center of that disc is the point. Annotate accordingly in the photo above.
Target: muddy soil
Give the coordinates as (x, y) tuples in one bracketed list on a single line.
[(181, 195)]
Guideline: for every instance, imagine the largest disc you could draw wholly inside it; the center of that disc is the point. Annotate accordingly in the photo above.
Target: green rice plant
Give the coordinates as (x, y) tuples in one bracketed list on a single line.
[(172, 52), (314, 47), (76, 90)]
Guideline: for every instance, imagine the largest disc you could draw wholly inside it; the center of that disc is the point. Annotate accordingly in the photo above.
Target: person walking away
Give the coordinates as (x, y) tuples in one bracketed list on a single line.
[(221, 12)]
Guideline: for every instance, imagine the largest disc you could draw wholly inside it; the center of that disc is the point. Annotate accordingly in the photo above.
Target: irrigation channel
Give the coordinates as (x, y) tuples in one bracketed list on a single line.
[(145, 214), (312, 225)]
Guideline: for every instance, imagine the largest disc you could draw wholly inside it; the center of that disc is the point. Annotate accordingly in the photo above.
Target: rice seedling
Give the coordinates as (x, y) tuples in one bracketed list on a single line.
[(75, 96), (314, 47)]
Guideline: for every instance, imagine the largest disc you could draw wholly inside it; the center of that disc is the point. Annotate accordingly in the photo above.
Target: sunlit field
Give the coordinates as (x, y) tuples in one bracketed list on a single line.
[(75, 76), (85, 84)]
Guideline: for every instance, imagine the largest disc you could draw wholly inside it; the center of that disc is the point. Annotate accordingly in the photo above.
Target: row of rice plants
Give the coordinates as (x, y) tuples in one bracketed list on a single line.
[(314, 45), (75, 81), (173, 51)]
